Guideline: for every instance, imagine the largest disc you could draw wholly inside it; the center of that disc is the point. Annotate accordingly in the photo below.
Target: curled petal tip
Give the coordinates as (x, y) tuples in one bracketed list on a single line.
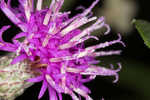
[(108, 29), (116, 78), (116, 75), (119, 40)]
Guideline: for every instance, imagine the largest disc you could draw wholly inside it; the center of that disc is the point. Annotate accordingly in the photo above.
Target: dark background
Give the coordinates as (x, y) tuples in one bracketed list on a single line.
[(134, 83)]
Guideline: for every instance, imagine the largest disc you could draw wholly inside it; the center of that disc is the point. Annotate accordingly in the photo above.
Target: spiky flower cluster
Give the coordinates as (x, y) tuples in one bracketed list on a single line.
[(54, 46)]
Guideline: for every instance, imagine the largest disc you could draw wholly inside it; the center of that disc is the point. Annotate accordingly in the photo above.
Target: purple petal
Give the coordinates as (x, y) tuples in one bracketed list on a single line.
[(22, 2), (19, 58), (43, 89), (22, 34), (4, 28), (60, 96), (85, 89), (7, 47), (52, 93), (36, 79)]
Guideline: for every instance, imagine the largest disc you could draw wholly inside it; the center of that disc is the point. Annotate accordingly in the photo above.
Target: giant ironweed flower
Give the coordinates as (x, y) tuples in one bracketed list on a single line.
[(54, 46)]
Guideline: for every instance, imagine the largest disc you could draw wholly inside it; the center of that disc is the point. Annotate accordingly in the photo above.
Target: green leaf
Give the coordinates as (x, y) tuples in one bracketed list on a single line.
[(144, 29)]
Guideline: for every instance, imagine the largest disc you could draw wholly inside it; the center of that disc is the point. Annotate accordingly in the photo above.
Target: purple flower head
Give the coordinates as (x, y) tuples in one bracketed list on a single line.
[(54, 46)]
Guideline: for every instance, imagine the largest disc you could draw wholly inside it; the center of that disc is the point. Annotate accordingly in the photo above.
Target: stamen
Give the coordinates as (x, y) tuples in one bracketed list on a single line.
[(31, 4), (70, 20), (106, 44), (67, 45), (39, 5), (52, 83), (74, 97), (56, 59), (63, 71), (52, 29), (99, 23), (71, 44), (106, 53), (47, 17), (83, 9), (90, 8), (94, 70), (58, 5), (49, 12), (73, 70), (54, 8), (87, 52), (52, 4), (76, 24), (27, 9), (82, 93), (45, 42)]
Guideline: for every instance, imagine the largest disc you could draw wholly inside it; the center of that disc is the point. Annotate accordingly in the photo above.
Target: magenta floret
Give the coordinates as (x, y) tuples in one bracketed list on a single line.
[(54, 46)]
